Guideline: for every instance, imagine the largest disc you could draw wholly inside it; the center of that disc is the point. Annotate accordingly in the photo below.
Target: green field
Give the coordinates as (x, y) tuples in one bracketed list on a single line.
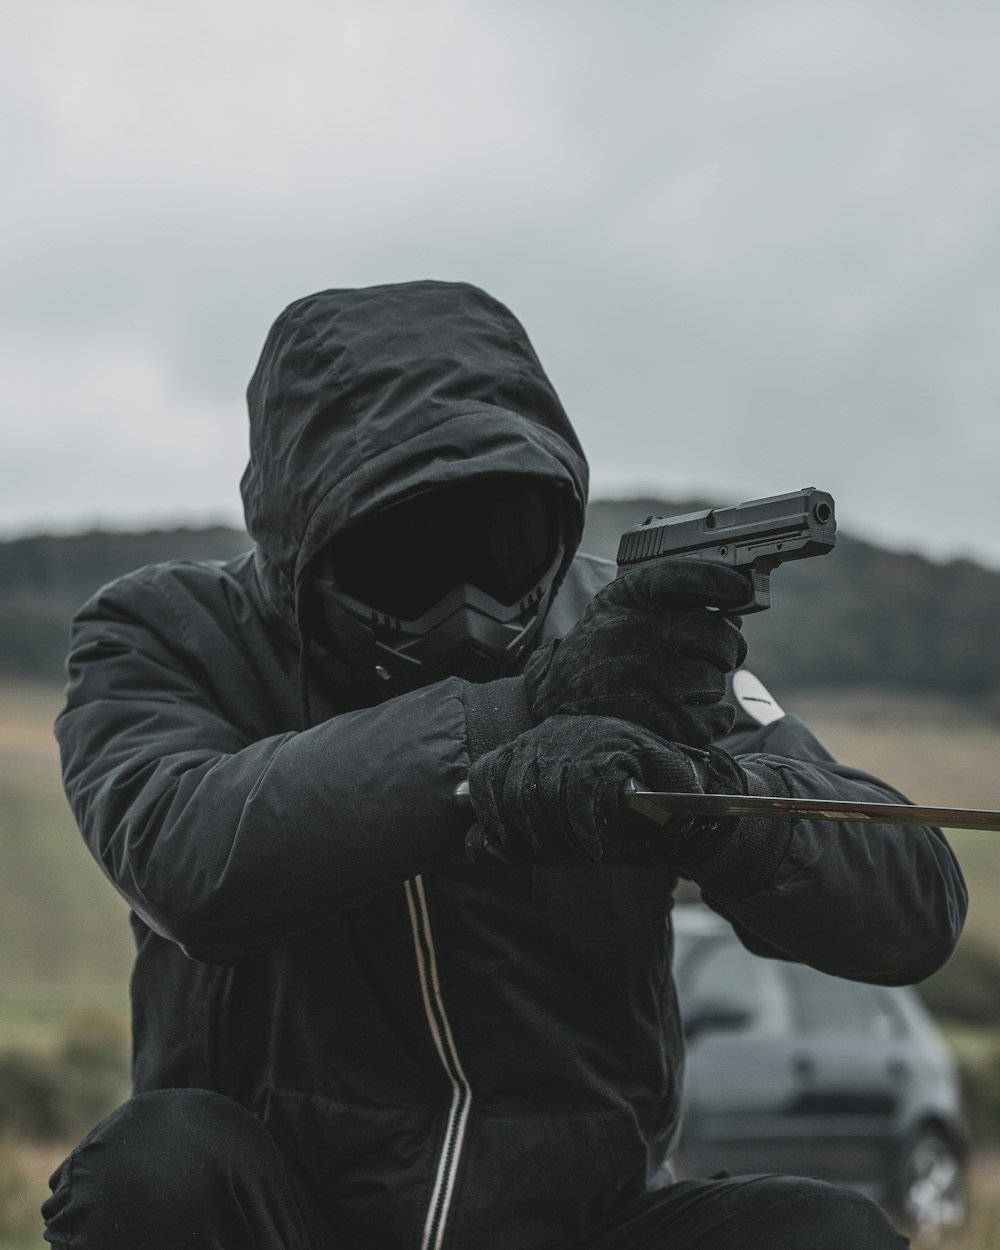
[(63, 930), (937, 752), (66, 945)]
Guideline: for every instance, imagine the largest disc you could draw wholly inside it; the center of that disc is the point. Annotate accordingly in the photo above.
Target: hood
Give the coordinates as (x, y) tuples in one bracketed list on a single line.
[(363, 398)]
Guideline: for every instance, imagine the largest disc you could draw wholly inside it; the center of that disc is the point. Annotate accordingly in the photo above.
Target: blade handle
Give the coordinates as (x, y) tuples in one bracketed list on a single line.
[(632, 801)]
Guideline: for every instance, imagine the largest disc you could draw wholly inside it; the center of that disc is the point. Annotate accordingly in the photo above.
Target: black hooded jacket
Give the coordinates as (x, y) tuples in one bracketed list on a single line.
[(456, 1055)]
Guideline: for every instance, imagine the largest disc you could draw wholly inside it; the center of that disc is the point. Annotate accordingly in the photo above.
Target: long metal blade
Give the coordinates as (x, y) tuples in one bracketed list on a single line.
[(662, 805)]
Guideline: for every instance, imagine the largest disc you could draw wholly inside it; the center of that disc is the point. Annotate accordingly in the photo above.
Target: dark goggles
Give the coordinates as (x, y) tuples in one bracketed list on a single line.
[(499, 534)]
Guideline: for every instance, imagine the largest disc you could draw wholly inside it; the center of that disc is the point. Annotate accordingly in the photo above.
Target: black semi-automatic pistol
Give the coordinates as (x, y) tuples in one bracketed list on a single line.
[(753, 537)]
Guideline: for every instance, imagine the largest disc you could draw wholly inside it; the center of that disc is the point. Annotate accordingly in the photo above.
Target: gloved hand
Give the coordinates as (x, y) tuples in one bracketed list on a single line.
[(649, 649), (554, 795)]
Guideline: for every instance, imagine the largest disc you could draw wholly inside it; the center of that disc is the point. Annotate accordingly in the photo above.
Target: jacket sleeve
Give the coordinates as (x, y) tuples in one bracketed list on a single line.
[(872, 902), (224, 841)]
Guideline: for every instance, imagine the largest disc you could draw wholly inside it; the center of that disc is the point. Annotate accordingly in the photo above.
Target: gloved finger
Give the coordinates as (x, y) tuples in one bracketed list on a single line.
[(650, 650), (710, 637), (688, 722), (525, 793), (481, 848), (516, 790), (580, 811), (658, 637), (659, 631), (679, 582), (680, 683), (671, 769), (580, 771), (657, 672)]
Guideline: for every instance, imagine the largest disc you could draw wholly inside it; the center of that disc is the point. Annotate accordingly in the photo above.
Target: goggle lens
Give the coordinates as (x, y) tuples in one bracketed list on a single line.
[(500, 535)]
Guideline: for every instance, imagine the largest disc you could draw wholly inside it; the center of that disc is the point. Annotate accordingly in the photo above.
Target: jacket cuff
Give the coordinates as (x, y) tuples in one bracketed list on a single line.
[(747, 860), (495, 712)]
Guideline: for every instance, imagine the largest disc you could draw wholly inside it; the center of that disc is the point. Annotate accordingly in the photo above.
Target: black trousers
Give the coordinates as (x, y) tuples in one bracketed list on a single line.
[(192, 1168)]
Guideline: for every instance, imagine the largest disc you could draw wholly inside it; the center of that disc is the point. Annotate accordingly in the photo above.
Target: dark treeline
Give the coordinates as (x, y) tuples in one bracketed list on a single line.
[(860, 617), (43, 580)]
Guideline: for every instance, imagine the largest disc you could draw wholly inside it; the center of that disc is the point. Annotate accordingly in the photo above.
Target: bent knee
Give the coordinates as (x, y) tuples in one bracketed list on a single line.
[(823, 1216), (172, 1139), (168, 1168)]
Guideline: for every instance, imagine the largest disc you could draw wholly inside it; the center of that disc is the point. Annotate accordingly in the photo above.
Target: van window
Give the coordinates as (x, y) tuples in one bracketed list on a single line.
[(828, 1004), (722, 973)]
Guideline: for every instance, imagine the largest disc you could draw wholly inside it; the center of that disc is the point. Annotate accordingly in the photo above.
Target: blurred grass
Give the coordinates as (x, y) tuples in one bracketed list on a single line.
[(982, 1230), (63, 930), (24, 1173), (937, 752)]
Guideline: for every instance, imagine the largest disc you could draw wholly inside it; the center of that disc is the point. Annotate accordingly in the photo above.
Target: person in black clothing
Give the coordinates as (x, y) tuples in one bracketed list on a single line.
[(362, 1016)]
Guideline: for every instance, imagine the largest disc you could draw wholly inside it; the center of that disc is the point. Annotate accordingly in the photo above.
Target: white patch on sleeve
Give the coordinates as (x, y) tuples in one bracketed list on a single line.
[(755, 699)]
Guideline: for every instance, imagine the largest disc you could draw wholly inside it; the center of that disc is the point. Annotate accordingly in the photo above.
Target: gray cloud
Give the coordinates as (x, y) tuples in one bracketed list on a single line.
[(754, 245)]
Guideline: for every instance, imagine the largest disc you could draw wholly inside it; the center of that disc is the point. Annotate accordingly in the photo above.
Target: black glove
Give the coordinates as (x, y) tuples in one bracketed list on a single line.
[(554, 795), (649, 649)]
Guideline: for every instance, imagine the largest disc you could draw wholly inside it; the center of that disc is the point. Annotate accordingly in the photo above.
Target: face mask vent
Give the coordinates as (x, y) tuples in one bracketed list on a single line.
[(473, 665)]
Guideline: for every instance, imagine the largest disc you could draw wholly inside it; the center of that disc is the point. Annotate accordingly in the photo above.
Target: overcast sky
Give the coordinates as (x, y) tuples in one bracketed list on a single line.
[(757, 246)]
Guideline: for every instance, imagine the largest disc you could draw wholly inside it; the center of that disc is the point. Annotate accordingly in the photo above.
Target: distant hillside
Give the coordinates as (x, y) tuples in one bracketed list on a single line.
[(860, 617), (43, 580)]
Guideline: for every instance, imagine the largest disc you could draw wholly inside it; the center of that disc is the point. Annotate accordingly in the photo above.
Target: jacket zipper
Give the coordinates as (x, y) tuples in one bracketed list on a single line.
[(461, 1093)]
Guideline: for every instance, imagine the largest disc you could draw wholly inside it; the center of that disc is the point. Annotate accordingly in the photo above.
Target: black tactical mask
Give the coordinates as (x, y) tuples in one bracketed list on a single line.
[(453, 582)]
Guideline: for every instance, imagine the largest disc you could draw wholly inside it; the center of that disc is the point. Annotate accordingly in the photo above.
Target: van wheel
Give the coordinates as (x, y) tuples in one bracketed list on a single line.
[(931, 1186)]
